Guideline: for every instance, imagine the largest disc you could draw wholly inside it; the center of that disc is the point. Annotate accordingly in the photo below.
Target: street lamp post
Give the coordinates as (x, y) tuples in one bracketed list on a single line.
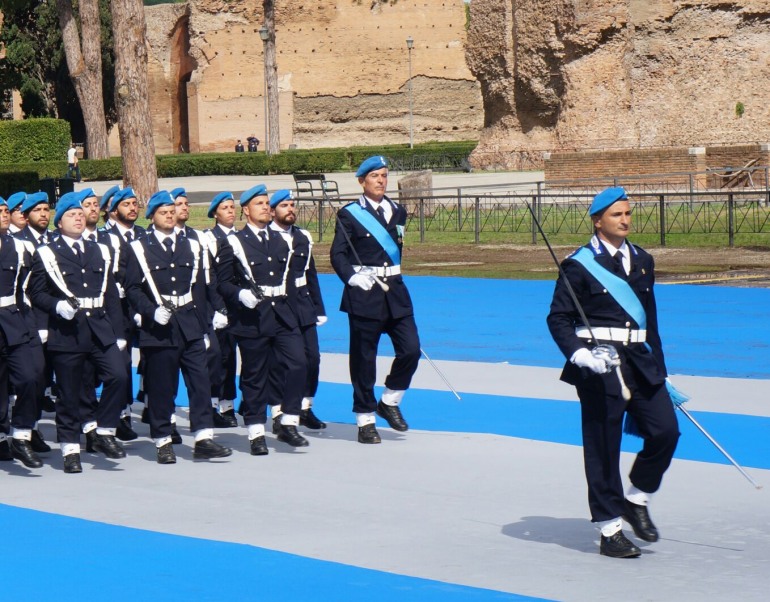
[(409, 45), (264, 34)]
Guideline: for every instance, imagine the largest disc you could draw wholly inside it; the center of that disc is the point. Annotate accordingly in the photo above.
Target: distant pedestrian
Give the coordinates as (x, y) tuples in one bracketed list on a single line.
[(73, 169), (253, 142)]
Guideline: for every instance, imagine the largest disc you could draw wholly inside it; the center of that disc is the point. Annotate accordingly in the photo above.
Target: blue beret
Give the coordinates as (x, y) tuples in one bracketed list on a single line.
[(2, 202), (70, 200), (371, 164), (85, 193), (159, 199), (258, 190), (15, 200), (178, 192), (607, 197), (217, 200), (107, 196), (280, 195), (121, 195), (33, 200)]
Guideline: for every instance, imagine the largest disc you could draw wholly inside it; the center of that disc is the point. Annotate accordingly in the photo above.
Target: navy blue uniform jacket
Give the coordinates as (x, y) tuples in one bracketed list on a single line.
[(82, 280), (16, 321), (172, 276), (267, 267), (356, 301), (601, 309)]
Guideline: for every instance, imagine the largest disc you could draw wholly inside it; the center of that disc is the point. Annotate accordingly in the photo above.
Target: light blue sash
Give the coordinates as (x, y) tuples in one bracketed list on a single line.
[(617, 287), (376, 229)]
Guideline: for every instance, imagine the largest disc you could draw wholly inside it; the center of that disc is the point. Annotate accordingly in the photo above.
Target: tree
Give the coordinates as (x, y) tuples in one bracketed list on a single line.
[(132, 98), (84, 61), (271, 80), (35, 64)]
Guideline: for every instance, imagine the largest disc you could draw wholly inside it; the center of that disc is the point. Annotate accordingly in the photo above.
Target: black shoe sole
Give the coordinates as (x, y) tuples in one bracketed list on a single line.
[(627, 554)]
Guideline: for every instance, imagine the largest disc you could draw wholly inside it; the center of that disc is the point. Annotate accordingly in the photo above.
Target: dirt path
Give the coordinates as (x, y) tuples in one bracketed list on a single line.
[(736, 266)]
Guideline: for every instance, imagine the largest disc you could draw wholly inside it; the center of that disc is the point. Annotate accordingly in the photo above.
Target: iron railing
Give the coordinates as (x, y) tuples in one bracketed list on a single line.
[(486, 214)]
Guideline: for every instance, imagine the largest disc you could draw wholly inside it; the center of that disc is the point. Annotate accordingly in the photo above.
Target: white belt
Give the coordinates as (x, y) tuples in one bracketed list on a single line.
[(609, 333), (179, 300), (6, 301), (381, 271), (90, 302), (301, 281), (273, 291)]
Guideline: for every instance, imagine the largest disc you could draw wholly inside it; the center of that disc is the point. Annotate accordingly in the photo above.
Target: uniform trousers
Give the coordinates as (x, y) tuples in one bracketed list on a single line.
[(602, 424), (313, 361), (214, 364), (161, 381), (89, 401), (282, 352), (365, 336), (21, 366), (228, 363), (69, 367)]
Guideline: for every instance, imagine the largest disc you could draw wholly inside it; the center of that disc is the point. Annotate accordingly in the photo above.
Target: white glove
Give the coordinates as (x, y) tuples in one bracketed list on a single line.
[(121, 290), (162, 316), (206, 341), (321, 320), (43, 334), (65, 310), (361, 281), (247, 298), (138, 320), (121, 343), (585, 359), (219, 321)]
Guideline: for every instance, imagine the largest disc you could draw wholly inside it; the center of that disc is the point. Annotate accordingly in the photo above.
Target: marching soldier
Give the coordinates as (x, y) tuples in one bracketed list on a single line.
[(612, 281), (72, 282), (5, 216), (91, 205), (125, 208), (367, 246), (36, 213), (165, 285), (21, 354), (104, 205), (264, 325), (216, 310), (305, 299), (18, 221), (222, 209)]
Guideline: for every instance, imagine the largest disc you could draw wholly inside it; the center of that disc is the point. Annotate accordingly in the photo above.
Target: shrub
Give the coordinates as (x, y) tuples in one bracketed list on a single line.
[(33, 140)]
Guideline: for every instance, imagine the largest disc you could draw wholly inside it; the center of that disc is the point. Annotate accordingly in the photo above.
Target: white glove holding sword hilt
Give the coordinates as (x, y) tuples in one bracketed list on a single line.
[(362, 281), (599, 360), (366, 278)]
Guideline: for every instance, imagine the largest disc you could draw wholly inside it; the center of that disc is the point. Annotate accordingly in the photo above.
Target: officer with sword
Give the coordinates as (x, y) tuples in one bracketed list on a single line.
[(604, 319)]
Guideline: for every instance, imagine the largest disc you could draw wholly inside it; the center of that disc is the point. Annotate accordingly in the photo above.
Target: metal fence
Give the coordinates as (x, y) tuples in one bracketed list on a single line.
[(660, 217)]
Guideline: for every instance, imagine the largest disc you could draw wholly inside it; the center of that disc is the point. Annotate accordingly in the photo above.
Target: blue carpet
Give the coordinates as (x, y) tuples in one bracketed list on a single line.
[(172, 567), (706, 330)]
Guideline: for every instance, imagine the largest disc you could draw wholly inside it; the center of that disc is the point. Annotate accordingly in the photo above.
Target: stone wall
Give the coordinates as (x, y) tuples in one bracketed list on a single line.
[(343, 69), (711, 166), (602, 74)]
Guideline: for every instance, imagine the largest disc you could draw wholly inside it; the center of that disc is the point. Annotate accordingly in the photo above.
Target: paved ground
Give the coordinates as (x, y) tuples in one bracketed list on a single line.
[(484, 499)]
